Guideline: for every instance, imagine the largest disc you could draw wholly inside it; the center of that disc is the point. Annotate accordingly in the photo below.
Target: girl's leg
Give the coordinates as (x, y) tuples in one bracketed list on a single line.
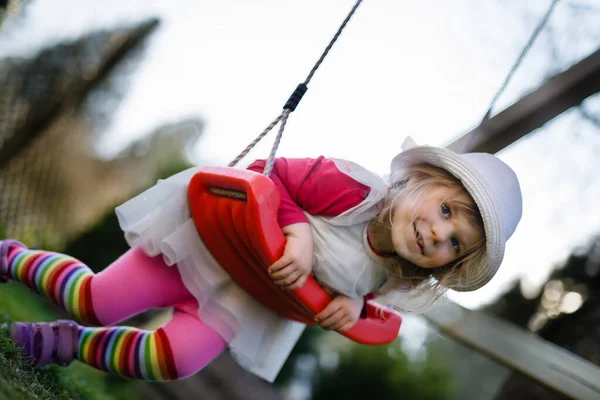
[(135, 283), (132, 284), (180, 348)]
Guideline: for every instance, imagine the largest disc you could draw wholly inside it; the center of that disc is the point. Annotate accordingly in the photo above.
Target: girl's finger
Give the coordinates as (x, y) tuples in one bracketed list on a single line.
[(289, 279), (347, 326), (327, 311), (298, 283), (283, 272), (341, 322), (332, 319), (279, 264)]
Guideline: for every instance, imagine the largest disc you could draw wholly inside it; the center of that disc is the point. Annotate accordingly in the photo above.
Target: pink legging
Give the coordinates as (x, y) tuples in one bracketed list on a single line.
[(135, 283), (131, 285)]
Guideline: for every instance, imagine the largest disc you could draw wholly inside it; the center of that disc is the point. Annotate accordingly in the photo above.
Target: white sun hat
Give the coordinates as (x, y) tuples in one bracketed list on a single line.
[(494, 187)]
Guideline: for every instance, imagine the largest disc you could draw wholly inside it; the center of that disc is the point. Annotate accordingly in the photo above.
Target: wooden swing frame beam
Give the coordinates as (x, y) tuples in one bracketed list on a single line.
[(507, 344), (561, 92), (520, 350)]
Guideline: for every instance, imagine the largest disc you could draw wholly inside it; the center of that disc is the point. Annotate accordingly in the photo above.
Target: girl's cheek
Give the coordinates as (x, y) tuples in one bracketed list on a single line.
[(446, 256), (442, 258)]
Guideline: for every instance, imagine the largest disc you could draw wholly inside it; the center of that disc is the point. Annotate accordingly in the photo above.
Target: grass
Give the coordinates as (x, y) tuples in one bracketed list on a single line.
[(19, 381)]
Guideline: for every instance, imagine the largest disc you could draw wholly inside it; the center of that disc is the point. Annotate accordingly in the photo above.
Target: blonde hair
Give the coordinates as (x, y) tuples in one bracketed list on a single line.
[(429, 285)]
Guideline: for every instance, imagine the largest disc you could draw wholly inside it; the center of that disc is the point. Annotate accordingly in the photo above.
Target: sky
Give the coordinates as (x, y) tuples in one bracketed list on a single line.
[(426, 69)]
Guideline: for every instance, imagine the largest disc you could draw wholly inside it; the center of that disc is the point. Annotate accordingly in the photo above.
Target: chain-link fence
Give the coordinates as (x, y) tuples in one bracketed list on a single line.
[(52, 185)]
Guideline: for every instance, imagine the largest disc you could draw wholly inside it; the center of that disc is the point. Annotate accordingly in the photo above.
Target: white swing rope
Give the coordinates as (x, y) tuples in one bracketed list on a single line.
[(292, 103), (514, 68), (295, 98)]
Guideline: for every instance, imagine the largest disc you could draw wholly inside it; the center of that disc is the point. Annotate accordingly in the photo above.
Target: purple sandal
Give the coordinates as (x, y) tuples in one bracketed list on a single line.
[(5, 246), (47, 342)]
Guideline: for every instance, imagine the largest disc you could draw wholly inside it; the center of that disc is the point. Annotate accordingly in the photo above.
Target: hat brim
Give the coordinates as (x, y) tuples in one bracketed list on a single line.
[(482, 195)]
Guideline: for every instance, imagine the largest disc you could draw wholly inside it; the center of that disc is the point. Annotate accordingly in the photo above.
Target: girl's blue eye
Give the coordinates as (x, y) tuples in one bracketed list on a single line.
[(455, 245), (445, 210)]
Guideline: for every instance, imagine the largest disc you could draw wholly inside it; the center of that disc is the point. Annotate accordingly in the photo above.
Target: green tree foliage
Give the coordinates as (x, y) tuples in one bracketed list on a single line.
[(580, 274), (556, 317), (104, 243), (308, 344), (99, 246), (383, 372)]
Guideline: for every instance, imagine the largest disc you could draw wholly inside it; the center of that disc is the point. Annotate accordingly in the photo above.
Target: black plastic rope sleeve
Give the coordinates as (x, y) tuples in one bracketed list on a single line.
[(295, 98)]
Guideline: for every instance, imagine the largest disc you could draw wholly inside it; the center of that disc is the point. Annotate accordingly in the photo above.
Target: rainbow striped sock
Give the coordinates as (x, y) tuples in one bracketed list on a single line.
[(128, 352), (62, 279)]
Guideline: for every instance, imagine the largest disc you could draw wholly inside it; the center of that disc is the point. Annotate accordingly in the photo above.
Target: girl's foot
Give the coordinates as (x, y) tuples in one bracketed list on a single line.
[(47, 342), (5, 246)]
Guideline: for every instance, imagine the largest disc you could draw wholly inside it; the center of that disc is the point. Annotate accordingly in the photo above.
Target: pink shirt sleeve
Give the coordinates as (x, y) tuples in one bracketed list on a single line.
[(316, 186)]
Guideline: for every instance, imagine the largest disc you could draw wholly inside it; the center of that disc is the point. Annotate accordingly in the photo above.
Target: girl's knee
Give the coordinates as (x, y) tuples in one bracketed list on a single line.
[(193, 343)]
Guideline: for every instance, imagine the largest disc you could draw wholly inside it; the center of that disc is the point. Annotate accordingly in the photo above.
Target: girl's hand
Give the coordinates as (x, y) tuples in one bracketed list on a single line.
[(341, 313), (293, 268)]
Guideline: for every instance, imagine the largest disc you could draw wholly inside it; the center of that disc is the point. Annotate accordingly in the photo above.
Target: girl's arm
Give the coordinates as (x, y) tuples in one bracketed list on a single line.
[(315, 186), (312, 185)]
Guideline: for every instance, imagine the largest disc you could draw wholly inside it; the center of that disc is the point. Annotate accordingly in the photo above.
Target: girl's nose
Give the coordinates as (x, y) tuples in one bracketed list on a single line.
[(441, 232)]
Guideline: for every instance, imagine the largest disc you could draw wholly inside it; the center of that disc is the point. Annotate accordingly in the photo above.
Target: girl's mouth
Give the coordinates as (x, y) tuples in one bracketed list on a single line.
[(419, 238)]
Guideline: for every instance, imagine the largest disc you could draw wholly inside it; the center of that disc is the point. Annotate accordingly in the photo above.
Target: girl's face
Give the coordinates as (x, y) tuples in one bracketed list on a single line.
[(433, 232)]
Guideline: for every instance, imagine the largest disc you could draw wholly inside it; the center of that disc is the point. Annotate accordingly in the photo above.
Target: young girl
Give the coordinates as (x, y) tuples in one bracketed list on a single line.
[(442, 222)]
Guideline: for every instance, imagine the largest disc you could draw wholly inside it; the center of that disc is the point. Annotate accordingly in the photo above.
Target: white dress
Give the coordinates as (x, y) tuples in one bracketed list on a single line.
[(159, 221)]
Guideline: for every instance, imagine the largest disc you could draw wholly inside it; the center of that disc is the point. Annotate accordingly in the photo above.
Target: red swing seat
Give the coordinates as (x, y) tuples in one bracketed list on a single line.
[(235, 212)]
